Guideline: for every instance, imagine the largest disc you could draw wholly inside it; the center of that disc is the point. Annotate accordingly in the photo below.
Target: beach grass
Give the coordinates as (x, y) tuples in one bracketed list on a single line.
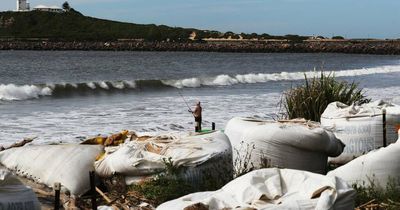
[(310, 99)]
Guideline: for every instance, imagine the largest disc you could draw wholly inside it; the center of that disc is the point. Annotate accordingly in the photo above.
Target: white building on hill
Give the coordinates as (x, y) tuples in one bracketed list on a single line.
[(48, 8), (22, 5)]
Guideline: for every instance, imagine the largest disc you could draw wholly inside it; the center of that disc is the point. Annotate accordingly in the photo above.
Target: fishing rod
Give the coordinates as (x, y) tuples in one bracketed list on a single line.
[(185, 102)]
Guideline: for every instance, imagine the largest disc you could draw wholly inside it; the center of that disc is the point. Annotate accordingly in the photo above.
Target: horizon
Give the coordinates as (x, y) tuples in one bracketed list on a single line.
[(347, 18)]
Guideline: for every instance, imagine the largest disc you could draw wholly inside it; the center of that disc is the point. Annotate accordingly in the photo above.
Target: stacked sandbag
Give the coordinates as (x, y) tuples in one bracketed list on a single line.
[(197, 154), (272, 189), (294, 144), (15, 195), (378, 167), (48, 164), (361, 127)]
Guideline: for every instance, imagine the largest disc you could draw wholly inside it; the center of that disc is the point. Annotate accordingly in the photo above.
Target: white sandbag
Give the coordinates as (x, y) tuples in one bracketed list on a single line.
[(197, 153), (361, 127), (48, 164), (377, 167), (15, 195), (291, 144), (273, 188)]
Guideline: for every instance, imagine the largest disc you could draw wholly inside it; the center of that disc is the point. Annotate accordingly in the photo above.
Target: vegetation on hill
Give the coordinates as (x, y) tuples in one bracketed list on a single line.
[(71, 25), (337, 37)]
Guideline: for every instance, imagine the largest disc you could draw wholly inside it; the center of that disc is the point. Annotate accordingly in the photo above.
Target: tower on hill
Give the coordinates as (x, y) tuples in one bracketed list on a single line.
[(22, 5)]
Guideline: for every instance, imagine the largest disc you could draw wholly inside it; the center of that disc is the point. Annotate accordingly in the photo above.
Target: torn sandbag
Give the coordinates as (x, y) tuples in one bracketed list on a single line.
[(14, 194), (145, 157), (378, 167), (295, 144), (361, 127), (67, 164), (112, 140), (273, 188)]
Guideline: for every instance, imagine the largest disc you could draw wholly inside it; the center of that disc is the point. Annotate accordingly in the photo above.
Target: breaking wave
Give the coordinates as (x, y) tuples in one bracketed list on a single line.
[(11, 92), (225, 80)]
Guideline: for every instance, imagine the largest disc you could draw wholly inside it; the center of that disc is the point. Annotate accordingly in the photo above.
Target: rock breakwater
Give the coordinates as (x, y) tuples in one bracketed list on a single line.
[(357, 47)]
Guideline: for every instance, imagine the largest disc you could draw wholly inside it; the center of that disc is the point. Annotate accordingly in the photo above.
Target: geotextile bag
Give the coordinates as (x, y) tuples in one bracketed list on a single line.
[(295, 144), (15, 195), (273, 188), (378, 167), (67, 164), (361, 127), (140, 159)]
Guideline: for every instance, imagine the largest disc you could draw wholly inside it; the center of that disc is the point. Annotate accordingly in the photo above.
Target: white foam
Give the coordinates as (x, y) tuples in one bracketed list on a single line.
[(224, 80), (103, 85), (390, 94), (118, 85), (151, 115), (91, 85), (130, 84), (12, 92), (190, 82)]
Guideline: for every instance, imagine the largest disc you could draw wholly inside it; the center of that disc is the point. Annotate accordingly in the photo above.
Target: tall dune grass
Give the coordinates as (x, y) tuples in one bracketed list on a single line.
[(311, 99)]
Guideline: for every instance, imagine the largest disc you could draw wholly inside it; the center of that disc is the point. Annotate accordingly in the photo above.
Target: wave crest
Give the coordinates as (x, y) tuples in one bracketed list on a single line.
[(10, 92), (225, 80)]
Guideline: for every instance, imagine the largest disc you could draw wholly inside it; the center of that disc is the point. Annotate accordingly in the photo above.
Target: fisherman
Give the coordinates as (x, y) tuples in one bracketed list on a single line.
[(197, 116)]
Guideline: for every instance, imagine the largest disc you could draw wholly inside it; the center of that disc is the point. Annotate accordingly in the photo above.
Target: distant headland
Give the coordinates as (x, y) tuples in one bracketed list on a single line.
[(51, 28)]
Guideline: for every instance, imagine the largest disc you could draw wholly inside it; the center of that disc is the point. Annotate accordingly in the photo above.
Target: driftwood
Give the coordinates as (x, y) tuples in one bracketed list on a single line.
[(366, 204), (110, 202), (104, 195), (375, 205), (42, 192)]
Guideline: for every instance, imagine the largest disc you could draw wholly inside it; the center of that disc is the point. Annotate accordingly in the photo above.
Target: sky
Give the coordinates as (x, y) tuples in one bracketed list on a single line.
[(348, 18)]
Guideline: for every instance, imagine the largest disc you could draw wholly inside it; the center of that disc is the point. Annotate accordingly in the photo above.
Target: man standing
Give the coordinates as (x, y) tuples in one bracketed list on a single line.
[(197, 116)]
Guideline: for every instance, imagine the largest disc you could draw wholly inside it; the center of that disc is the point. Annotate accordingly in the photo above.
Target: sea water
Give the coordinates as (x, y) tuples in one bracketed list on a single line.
[(66, 96)]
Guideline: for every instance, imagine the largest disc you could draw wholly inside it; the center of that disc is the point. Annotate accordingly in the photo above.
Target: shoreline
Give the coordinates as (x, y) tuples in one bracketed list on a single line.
[(381, 47)]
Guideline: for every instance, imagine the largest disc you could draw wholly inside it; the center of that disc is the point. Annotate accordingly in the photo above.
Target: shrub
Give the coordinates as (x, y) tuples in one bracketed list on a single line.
[(170, 184), (162, 189), (165, 186), (376, 197), (311, 99), (337, 37)]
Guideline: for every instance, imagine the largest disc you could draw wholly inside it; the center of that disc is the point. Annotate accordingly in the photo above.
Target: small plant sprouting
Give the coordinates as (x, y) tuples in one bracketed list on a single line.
[(171, 184), (265, 162), (242, 163), (165, 186), (170, 168), (387, 196)]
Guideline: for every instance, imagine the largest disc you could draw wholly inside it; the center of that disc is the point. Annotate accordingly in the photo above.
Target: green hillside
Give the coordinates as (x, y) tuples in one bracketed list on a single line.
[(75, 26)]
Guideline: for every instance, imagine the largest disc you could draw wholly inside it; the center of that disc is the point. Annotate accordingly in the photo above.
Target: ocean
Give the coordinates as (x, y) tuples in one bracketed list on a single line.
[(66, 96)]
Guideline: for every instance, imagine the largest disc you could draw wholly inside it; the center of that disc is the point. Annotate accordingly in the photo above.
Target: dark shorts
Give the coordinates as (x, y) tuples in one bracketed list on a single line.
[(197, 119)]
